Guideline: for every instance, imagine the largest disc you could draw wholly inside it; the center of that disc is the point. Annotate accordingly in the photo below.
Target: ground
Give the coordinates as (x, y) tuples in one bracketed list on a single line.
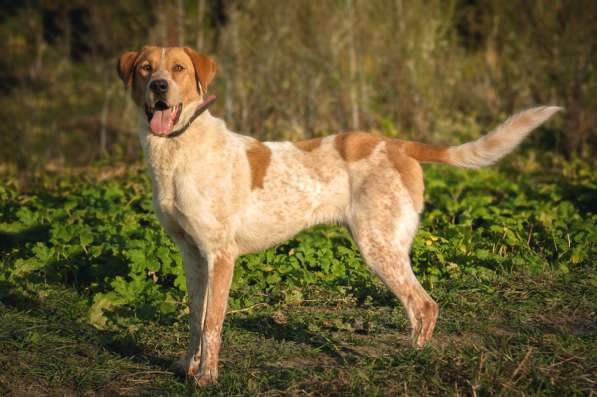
[(516, 333)]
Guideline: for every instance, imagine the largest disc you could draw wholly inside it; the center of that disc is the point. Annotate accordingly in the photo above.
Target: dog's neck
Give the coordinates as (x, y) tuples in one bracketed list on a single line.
[(196, 111), (163, 153)]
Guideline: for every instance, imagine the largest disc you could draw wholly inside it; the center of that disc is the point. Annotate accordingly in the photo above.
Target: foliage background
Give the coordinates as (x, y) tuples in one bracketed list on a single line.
[(432, 70), (92, 292)]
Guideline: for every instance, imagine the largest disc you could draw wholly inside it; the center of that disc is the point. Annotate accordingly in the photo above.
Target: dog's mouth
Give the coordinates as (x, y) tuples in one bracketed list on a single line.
[(162, 118)]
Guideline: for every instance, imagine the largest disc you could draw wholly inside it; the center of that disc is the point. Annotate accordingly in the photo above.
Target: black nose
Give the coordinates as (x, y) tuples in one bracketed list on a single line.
[(159, 86)]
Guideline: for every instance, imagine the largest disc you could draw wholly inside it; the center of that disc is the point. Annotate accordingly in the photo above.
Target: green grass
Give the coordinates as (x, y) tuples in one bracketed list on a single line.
[(103, 239), (92, 295), (513, 334)]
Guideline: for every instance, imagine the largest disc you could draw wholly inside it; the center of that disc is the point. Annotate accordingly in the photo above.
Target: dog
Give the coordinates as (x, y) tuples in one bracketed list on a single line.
[(219, 194)]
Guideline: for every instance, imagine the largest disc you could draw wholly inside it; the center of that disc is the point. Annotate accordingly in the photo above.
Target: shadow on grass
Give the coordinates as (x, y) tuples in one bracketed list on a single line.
[(583, 197), (10, 241), (295, 332), (73, 271), (65, 318)]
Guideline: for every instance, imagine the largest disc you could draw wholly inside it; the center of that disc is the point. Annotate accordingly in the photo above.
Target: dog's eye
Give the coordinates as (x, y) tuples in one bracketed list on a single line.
[(178, 68), (146, 67)]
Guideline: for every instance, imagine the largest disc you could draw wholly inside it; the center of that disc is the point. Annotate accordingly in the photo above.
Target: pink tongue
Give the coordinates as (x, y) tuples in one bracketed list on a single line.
[(162, 121)]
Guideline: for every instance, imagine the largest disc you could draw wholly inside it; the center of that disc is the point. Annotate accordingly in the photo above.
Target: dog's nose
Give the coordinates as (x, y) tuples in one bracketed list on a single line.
[(159, 86)]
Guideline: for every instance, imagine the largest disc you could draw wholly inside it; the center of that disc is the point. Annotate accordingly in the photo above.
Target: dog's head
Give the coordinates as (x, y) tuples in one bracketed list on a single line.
[(168, 83)]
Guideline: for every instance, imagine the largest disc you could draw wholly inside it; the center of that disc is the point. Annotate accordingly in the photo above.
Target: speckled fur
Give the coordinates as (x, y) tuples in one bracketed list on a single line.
[(220, 194)]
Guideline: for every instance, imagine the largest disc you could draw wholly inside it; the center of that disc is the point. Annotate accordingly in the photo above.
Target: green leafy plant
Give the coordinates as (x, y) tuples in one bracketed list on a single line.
[(103, 239)]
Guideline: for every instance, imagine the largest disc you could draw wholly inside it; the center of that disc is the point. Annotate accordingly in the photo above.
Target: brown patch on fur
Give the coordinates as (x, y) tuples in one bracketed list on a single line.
[(139, 77), (187, 79), (423, 152), (410, 171), (259, 157), (354, 146), (429, 307), (205, 69), (222, 267), (220, 283), (126, 66), (309, 145)]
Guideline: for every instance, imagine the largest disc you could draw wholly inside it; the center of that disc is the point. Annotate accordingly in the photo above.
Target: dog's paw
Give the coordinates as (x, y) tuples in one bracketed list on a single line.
[(185, 367), (206, 377)]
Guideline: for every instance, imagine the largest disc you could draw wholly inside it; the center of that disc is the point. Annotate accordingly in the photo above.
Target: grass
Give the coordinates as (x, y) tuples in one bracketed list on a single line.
[(512, 334), (509, 255)]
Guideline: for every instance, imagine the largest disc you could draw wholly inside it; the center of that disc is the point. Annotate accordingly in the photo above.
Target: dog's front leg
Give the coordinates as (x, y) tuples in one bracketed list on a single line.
[(196, 272), (221, 267)]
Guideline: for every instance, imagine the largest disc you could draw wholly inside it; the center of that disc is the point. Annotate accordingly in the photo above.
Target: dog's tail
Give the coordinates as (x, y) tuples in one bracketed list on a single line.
[(489, 148)]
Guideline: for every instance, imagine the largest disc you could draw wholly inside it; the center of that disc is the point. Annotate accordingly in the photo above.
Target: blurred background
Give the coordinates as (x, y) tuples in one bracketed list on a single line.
[(436, 71)]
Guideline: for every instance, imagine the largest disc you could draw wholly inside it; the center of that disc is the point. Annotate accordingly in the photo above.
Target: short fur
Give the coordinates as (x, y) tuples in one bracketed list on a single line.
[(220, 194)]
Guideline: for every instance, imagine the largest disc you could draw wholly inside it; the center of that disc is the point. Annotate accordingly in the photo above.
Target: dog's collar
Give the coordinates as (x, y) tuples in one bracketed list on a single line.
[(200, 109)]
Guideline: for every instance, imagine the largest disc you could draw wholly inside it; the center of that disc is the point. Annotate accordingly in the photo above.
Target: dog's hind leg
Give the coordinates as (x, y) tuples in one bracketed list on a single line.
[(383, 222)]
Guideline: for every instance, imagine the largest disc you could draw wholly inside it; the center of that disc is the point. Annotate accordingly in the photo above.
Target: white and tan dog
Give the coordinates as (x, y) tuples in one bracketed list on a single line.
[(219, 194)]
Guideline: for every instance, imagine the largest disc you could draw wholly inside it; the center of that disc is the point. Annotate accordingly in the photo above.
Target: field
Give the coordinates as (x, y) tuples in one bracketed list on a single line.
[(92, 291), (92, 295)]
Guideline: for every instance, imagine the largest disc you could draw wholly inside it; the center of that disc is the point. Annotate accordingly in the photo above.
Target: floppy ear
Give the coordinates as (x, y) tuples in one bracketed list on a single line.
[(126, 65), (205, 69)]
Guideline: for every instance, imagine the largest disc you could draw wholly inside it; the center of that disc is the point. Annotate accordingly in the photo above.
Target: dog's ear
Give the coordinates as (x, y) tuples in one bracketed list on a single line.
[(205, 69), (126, 66)]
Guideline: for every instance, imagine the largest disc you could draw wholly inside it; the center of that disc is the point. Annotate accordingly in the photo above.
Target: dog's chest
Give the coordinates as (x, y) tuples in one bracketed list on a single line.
[(176, 182), (192, 201), (164, 194), (169, 195)]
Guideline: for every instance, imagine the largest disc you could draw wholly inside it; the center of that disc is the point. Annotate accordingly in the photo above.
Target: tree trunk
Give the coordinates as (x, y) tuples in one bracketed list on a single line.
[(352, 65), (180, 21), (200, 42)]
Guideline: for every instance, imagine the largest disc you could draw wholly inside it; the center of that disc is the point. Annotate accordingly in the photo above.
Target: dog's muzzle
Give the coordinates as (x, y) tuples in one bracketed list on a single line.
[(162, 118)]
